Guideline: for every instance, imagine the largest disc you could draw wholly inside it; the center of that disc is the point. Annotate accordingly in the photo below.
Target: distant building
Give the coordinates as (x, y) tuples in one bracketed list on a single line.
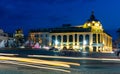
[(89, 37), (19, 36), (3, 35), (116, 43)]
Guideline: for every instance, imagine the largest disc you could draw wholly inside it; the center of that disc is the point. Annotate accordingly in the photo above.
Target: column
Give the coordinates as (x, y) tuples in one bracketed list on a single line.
[(61, 41), (84, 43), (55, 41), (101, 40), (91, 42), (96, 42), (50, 40), (96, 38), (73, 40), (104, 41), (67, 41), (77, 39), (111, 43)]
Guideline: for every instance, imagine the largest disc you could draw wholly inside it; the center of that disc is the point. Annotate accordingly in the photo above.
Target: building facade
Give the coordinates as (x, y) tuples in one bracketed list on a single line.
[(89, 37), (3, 35), (19, 37)]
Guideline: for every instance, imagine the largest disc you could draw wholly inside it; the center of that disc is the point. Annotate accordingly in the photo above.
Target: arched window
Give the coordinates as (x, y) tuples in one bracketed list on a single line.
[(70, 38), (81, 39), (94, 49), (64, 38), (87, 39), (75, 37), (94, 38), (53, 39), (87, 49), (98, 38), (59, 38)]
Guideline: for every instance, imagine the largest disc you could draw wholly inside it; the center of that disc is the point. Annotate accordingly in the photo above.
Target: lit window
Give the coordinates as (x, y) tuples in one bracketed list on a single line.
[(96, 24), (93, 21), (88, 24)]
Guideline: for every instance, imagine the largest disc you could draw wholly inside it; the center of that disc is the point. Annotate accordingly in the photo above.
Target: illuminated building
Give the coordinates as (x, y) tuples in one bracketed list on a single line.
[(3, 36), (89, 37), (19, 36)]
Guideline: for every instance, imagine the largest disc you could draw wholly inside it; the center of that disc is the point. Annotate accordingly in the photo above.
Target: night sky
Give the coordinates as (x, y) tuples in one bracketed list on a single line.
[(33, 14)]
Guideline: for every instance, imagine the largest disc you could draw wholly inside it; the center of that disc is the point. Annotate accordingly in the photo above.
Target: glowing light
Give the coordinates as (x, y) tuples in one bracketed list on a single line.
[(93, 21), (76, 58), (36, 61), (56, 42), (76, 47), (37, 46), (48, 68), (46, 47), (96, 24), (84, 42), (88, 24)]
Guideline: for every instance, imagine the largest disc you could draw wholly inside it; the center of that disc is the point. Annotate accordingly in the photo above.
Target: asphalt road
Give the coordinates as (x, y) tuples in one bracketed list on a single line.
[(87, 65)]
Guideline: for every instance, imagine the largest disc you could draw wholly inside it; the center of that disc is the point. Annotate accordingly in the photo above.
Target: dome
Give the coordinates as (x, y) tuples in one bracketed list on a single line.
[(95, 25)]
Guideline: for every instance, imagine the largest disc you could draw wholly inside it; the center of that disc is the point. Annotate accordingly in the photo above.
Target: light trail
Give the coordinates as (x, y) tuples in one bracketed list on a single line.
[(68, 63), (48, 68), (36, 61), (6, 54), (74, 58), (61, 57)]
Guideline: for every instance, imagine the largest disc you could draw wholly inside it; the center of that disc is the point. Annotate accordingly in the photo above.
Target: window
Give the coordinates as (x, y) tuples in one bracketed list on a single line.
[(94, 38), (64, 38), (87, 49), (81, 39), (94, 49), (70, 38), (75, 37), (59, 38), (87, 39), (98, 38), (53, 40)]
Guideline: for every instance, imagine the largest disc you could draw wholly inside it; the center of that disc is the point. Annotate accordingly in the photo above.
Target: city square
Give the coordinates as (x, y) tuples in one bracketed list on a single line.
[(59, 37)]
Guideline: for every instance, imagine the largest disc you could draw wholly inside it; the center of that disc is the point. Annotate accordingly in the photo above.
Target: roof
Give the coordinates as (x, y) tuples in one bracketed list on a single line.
[(63, 29), (92, 17)]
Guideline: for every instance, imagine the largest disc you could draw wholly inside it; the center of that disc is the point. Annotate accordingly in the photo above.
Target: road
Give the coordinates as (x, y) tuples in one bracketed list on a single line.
[(34, 64)]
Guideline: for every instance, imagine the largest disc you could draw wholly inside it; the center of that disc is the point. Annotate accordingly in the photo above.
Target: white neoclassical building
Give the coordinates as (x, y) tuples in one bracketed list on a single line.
[(89, 37), (3, 35)]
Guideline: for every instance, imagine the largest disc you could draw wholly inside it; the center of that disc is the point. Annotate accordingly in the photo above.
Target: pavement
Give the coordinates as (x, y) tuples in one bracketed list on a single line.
[(43, 64), (83, 63)]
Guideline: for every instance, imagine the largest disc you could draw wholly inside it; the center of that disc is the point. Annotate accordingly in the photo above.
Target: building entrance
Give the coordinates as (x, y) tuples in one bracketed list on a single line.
[(87, 49), (94, 49)]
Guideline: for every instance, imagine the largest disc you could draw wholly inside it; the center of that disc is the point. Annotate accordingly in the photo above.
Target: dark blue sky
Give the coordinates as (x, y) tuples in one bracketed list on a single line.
[(32, 14)]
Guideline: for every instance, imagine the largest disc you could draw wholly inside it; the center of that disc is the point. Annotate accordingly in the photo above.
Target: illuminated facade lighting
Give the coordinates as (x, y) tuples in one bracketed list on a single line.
[(90, 37), (56, 42)]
